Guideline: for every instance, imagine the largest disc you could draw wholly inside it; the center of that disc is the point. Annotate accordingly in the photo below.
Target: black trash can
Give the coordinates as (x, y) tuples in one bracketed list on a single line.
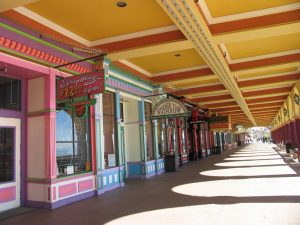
[(218, 149), (288, 147), (239, 143), (170, 163)]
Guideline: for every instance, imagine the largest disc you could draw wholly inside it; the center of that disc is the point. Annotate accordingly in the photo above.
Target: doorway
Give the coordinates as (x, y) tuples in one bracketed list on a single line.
[(10, 182)]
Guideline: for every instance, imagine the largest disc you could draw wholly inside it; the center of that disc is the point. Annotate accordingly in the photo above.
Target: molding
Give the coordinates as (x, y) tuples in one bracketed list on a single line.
[(266, 76), (134, 35), (253, 58), (132, 82), (179, 70), (135, 67), (42, 20), (245, 15)]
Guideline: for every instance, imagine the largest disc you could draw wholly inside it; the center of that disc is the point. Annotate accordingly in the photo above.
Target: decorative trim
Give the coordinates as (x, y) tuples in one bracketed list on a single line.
[(180, 70), (246, 15), (42, 20), (135, 67), (134, 35)]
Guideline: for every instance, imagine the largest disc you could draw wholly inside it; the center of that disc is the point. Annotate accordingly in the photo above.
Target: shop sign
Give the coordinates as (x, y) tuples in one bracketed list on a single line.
[(80, 108), (169, 107), (81, 85)]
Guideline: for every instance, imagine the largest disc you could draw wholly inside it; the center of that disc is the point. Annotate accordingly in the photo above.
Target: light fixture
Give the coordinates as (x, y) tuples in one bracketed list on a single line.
[(121, 4), (285, 112), (297, 99)]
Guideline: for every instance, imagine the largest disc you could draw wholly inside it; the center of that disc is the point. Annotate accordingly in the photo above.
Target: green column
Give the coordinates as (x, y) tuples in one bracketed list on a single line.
[(118, 129), (143, 138), (99, 132), (155, 139)]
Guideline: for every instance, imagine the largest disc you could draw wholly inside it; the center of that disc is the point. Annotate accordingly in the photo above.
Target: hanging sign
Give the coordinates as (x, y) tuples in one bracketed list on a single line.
[(80, 107), (81, 85), (169, 107)]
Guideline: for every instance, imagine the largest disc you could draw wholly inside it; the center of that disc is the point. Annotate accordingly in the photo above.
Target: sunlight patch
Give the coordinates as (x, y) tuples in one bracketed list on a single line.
[(250, 171), (253, 187), (253, 163), (213, 214)]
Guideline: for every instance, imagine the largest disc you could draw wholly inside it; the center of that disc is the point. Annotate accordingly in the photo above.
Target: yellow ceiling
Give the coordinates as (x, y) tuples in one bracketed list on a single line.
[(168, 61), (8, 4), (192, 84), (263, 46), (268, 72), (187, 81), (98, 19), (229, 7)]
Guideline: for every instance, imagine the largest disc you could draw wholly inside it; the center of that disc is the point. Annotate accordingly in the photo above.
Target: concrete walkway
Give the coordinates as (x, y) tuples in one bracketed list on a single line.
[(250, 185)]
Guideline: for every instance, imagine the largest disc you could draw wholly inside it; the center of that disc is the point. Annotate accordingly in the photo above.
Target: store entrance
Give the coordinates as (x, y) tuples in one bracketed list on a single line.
[(10, 184)]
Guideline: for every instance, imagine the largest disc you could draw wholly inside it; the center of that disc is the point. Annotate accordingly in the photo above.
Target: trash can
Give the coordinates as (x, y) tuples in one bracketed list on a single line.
[(288, 147), (170, 163), (239, 143), (218, 149)]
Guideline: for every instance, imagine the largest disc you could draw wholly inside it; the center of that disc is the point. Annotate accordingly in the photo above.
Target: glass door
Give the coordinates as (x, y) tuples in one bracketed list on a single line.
[(10, 183)]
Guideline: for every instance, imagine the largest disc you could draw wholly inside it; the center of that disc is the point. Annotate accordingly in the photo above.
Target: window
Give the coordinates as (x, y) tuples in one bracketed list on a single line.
[(10, 97), (109, 124), (6, 154), (72, 143)]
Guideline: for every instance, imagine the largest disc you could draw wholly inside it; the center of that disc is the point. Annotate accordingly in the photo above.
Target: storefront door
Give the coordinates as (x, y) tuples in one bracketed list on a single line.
[(10, 184)]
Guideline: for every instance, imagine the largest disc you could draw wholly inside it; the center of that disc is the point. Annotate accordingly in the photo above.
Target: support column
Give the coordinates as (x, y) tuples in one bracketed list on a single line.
[(159, 162), (143, 138), (50, 117), (99, 133), (41, 144), (297, 124), (205, 139), (122, 172)]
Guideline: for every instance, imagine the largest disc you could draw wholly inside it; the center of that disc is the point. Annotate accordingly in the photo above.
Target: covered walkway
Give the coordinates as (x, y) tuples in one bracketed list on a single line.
[(250, 185)]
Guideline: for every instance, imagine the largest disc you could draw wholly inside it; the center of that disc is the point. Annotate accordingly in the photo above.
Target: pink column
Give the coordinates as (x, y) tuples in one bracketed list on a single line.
[(50, 118), (297, 126)]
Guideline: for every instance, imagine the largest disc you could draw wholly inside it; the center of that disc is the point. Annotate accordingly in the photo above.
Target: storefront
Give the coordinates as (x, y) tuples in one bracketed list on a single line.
[(55, 150), (11, 139), (171, 137), (220, 132)]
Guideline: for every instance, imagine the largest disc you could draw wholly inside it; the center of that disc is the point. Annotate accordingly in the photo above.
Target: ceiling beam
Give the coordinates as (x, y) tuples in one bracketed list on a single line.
[(260, 33), (277, 79), (269, 85), (191, 23), (268, 99), (216, 87), (255, 93), (268, 61), (151, 50), (172, 76), (266, 68)]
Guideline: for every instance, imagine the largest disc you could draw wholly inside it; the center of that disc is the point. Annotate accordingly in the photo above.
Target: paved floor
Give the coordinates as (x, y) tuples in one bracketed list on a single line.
[(251, 185)]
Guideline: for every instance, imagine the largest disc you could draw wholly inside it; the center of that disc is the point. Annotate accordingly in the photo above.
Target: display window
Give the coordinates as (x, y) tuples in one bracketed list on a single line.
[(109, 126), (73, 152)]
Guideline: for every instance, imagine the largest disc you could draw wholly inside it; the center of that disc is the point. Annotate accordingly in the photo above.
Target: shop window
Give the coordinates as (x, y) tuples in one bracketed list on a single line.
[(109, 124), (6, 154), (72, 142), (10, 97), (148, 113)]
